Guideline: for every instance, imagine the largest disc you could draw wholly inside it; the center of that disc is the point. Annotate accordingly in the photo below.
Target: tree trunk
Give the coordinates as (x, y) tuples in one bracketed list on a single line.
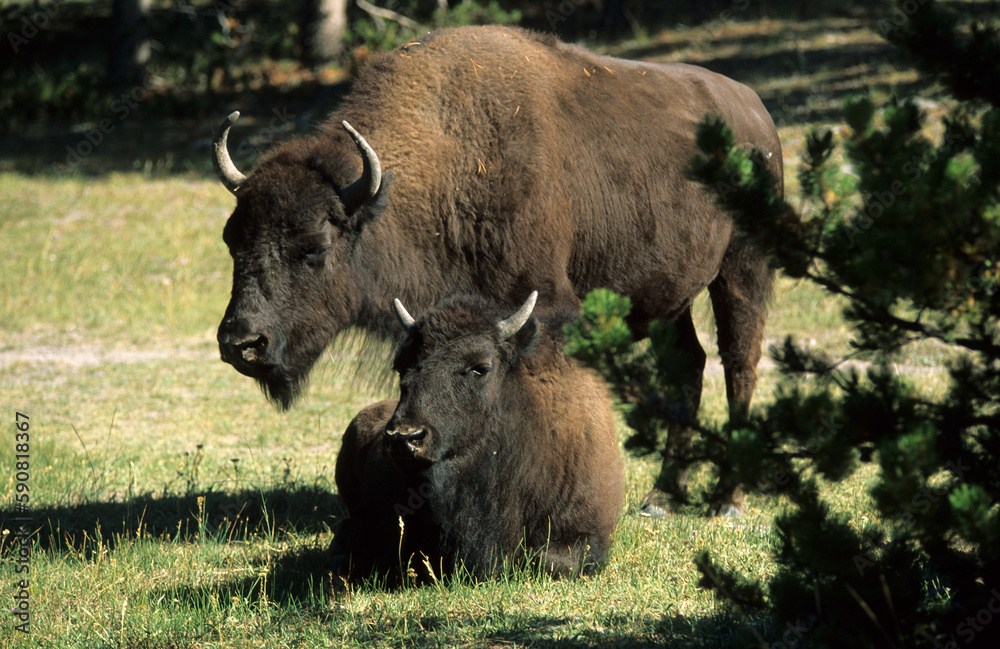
[(613, 19), (326, 22), (130, 44)]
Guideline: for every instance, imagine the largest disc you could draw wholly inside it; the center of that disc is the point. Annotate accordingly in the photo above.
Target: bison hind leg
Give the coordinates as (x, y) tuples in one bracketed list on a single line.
[(671, 484), (740, 296)]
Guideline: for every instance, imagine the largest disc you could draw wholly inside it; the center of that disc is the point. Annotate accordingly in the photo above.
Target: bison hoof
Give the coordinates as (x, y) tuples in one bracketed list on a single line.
[(653, 511), (338, 569), (656, 504), (728, 511)]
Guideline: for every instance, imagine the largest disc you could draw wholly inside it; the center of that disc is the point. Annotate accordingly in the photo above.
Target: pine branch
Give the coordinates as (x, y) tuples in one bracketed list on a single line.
[(922, 330), (968, 64)]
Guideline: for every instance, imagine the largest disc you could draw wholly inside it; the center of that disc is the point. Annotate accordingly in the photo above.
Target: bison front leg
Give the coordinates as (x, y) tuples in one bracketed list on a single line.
[(375, 495), (340, 557)]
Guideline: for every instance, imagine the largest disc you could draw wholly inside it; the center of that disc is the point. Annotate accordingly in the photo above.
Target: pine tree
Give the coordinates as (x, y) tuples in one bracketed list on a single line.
[(908, 234)]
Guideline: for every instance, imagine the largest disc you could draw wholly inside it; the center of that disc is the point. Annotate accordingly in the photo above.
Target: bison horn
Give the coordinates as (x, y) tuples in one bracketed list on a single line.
[(513, 324), (362, 189), (404, 316), (224, 167)]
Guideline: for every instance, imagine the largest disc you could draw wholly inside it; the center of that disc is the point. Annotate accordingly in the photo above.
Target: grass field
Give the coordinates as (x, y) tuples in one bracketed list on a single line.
[(170, 506)]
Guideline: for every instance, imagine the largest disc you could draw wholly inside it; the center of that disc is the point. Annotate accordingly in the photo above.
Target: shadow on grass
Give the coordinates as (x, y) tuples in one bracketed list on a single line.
[(164, 136), (678, 632), (294, 579), (294, 582), (90, 527), (802, 74)]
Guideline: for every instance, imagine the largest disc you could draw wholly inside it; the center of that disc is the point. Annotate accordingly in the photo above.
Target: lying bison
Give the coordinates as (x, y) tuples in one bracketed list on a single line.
[(505, 161), (498, 448)]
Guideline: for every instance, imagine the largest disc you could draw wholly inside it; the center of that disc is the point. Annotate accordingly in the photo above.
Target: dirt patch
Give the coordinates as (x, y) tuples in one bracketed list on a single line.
[(90, 356), (77, 350)]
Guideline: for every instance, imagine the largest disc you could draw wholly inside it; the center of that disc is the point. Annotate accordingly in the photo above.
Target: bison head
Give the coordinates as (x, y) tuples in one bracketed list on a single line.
[(291, 237), (453, 370)]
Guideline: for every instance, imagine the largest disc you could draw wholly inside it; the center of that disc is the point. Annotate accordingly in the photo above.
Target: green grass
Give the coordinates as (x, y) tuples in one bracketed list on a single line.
[(124, 258), (173, 507)]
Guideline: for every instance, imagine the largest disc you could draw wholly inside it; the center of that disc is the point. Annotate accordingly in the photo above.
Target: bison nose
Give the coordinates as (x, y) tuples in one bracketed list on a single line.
[(243, 350), (413, 438)]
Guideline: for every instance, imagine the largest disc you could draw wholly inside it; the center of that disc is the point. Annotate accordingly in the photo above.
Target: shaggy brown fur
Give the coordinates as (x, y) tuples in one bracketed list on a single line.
[(496, 450), (514, 162)]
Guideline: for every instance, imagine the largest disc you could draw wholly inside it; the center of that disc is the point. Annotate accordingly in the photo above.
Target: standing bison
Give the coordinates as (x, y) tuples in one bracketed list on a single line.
[(490, 160), (499, 448)]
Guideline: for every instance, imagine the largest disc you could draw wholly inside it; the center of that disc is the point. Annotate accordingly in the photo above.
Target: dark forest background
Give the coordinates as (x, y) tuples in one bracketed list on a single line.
[(70, 65)]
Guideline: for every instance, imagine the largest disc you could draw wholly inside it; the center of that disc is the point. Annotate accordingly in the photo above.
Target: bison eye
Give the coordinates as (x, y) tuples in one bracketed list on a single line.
[(315, 256), (480, 369)]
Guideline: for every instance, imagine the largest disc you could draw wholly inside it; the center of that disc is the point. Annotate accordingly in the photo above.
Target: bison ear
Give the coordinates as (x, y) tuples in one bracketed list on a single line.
[(373, 207), (526, 339)]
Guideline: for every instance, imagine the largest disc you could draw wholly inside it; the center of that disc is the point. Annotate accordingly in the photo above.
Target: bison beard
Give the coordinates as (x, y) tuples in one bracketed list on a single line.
[(520, 162), (500, 449), (282, 386)]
